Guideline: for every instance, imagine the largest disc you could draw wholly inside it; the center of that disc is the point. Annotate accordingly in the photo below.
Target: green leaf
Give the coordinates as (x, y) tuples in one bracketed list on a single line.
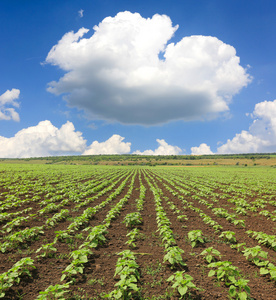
[(264, 271), (182, 290), (63, 277), (170, 278), (242, 295), (247, 288), (133, 286), (211, 273), (232, 291)]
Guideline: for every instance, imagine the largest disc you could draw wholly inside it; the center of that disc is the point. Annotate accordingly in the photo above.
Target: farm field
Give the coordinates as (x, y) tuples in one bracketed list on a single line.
[(137, 232)]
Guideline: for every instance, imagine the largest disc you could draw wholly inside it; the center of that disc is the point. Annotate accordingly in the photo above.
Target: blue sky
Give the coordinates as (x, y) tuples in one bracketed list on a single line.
[(154, 77)]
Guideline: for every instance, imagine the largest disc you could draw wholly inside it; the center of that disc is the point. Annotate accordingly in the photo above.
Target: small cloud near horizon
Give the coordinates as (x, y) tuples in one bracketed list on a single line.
[(163, 149), (114, 145), (203, 149)]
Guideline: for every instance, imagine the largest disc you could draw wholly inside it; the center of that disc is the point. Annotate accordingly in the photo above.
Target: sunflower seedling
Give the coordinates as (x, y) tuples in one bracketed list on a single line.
[(210, 254), (182, 283), (196, 238)]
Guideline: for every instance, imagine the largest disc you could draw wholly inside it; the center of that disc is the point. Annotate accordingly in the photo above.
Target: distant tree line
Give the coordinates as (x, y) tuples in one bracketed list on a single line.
[(138, 159)]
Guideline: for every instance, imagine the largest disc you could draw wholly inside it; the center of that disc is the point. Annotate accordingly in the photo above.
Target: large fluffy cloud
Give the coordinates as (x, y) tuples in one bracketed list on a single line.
[(43, 139), (118, 74), (201, 150), (261, 136), (114, 145), (163, 149), (7, 104)]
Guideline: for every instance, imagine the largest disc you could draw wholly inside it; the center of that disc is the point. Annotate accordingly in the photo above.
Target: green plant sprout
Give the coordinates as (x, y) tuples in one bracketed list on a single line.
[(196, 238), (49, 250), (182, 283), (174, 257), (228, 236), (133, 219), (54, 292), (210, 254), (239, 289)]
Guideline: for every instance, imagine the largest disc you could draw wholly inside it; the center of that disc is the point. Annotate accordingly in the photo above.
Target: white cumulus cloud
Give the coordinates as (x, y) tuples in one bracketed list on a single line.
[(114, 145), (8, 101), (43, 139), (116, 73), (261, 136), (163, 149), (201, 150)]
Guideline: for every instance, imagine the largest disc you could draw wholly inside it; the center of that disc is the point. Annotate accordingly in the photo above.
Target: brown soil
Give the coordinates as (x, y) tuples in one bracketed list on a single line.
[(98, 277)]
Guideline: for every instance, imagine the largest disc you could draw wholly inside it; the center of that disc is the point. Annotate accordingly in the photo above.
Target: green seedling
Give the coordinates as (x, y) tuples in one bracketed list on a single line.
[(54, 292), (182, 218), (12, 276), (49, 250), (196, 238), (127, 269), (238, 223), (80, 257), (182, 283), (132, 235), (58, 217), (228, 236), (238, 246), (270, 269), (255, 255), (240, 290), (96, 236), (20, 237), (63, 236), (263, 238), (133, 219), (174, 257), (224, 271), (210, 254)]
